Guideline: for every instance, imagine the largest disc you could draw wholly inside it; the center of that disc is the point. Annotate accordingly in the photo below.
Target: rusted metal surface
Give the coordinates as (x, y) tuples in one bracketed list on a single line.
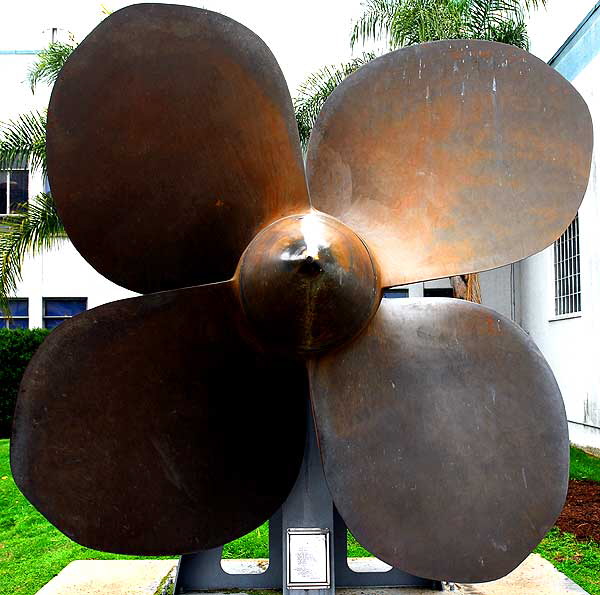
[(444, 439), (308, 283), (452, 157), (171, 142), (134, 419)]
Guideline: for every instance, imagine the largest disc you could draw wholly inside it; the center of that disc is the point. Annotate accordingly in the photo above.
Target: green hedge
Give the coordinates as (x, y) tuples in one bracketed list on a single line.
[(16, 348)]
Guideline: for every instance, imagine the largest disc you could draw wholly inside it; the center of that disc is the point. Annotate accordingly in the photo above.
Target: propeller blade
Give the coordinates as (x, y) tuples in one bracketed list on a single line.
[(452, 157), (444, 439), (134, 420), (171, 130)]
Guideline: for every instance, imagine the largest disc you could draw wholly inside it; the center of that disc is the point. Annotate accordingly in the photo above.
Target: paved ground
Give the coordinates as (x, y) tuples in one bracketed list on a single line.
[(109, 577), (535, 576)]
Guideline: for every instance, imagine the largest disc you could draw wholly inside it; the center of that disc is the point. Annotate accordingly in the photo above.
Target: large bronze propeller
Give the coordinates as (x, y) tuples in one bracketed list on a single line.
[(174, 159)]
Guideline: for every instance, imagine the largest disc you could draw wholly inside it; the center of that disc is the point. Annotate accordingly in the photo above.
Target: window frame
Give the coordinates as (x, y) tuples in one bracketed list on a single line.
[(7, 173), (45, 300), (5, 320), (442, 292), (396, 293), (565, 265)]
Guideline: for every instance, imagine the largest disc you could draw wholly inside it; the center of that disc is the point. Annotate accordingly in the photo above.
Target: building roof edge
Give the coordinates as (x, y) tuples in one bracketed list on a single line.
[(18, 52), (571, 37)]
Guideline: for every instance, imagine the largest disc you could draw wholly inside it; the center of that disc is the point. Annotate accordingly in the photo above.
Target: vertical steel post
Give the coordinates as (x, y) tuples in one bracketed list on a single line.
[(309, 506)]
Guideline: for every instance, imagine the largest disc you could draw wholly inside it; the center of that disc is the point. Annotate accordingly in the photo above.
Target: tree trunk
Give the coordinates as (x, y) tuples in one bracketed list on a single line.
[(466, 287)]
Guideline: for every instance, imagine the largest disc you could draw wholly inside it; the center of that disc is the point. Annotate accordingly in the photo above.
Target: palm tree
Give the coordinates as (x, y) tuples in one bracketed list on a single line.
[(406, 22), (314, 91), (401, 23), (35, 226)]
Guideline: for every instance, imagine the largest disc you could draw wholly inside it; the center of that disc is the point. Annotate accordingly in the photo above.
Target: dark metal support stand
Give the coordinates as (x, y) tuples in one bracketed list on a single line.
[(309, 505)]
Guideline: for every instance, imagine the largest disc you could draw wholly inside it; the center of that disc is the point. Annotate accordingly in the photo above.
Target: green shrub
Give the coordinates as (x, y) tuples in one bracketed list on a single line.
[(16, 348)]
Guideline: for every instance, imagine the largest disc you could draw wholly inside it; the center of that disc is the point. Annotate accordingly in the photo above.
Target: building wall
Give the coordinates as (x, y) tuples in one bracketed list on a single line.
[(63, 273), (497, 290), (570, 343)]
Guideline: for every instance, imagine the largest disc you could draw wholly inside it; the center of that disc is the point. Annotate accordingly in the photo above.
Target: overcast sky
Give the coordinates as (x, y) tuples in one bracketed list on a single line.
[(304, 35)]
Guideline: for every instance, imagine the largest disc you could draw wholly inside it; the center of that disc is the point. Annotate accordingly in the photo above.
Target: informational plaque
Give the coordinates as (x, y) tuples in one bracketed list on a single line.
[(308, 559)]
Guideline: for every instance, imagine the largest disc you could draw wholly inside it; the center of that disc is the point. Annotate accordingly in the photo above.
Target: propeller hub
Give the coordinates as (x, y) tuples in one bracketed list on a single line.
[(308, 283)]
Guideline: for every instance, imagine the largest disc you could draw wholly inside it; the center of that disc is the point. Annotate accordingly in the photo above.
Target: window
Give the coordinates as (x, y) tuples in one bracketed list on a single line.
[(567, 283), (19, 311), (57, 310), (396, 292), (438, 292), (14, 189)]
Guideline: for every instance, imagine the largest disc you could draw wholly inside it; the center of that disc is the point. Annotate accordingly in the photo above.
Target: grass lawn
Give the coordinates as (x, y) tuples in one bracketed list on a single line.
[(584, 466), (580, 561), (32, 551)]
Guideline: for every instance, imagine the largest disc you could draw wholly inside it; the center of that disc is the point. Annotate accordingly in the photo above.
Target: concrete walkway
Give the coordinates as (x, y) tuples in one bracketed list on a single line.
[(535, 576), (110, 577)]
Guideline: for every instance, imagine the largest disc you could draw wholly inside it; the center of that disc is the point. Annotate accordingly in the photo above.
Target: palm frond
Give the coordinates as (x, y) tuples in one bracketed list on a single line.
[(35, 228), (406, 22), (417, 21), (49, 63), (487, 16), (24, 140), (375, 21), (480, 12), (511, 32), (529, 4), (315, 90)]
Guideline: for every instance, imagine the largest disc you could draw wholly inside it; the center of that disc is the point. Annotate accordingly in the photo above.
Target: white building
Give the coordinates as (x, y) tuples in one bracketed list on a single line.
[(558, 290), (561, 314)]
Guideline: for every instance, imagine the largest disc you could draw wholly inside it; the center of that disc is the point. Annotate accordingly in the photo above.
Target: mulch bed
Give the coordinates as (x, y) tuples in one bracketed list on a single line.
[(581, 514)]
